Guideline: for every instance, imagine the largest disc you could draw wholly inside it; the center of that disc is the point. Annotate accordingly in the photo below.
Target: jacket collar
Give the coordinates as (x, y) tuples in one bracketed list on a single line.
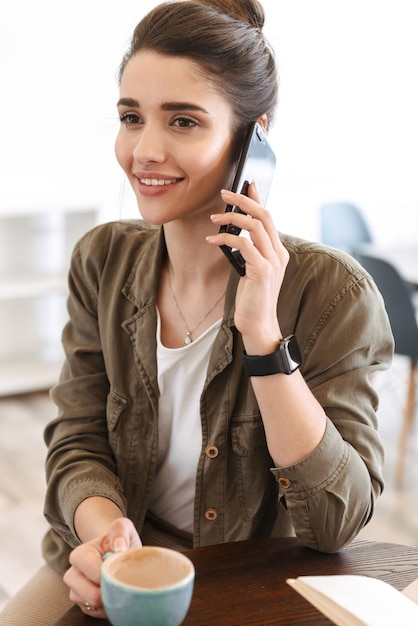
[(142, 284)]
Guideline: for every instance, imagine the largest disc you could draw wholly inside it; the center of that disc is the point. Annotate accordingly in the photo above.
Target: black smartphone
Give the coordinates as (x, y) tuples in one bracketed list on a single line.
[(256, 164)]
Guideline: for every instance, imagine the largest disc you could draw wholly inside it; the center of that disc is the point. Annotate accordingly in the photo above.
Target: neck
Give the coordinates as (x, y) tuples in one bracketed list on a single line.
[(192, 260), (192, 289)]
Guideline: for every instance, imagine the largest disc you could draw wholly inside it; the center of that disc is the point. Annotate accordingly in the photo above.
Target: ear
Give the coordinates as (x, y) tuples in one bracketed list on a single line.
[(263, 122)]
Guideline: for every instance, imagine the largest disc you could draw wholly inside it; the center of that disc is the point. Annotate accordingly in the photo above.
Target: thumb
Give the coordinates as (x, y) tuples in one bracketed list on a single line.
[(119, 544), (123, 535)]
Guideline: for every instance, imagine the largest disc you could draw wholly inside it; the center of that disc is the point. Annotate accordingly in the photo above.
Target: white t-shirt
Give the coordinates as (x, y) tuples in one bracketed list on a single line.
[(181, 376)]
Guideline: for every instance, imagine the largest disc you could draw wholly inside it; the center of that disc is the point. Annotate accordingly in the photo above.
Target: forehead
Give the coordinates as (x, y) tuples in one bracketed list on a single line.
[(158, 76)]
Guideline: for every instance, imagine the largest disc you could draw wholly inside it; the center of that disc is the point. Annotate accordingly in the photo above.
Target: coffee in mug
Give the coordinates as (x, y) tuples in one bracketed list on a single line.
[(148, 586)]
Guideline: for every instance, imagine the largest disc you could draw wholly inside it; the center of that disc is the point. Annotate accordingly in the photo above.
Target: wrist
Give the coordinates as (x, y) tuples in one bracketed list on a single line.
[(93, 517), (261, 344), (285, 359)]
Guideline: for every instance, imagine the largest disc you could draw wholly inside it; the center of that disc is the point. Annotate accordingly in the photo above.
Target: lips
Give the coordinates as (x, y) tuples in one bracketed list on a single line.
[(153, 185), (157, 182)]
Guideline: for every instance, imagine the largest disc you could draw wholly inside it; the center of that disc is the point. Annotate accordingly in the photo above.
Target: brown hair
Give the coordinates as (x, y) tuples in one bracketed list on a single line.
[(225, 39)]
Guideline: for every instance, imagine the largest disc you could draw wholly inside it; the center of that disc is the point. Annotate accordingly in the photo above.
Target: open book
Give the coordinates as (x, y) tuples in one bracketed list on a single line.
[(359, 600)]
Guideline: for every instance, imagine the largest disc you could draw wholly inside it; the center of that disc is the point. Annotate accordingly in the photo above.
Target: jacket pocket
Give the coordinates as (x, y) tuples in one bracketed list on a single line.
[(115, 406), (252, 464)]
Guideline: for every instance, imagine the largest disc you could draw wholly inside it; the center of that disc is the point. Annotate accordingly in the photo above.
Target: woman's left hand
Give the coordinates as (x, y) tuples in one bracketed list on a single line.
[(266, 261)]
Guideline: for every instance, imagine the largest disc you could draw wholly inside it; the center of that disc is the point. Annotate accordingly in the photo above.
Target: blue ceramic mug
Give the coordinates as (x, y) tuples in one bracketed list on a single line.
[(148, 586)]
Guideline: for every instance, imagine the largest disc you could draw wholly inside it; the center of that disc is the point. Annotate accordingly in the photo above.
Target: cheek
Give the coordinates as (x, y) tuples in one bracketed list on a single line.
[(217, 159)]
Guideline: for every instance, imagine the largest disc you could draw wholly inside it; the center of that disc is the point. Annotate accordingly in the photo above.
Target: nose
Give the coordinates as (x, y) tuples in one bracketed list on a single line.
[(150, 145)]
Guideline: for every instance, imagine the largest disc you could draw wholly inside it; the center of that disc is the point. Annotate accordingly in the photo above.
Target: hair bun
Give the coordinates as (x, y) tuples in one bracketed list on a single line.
[(249, 11)]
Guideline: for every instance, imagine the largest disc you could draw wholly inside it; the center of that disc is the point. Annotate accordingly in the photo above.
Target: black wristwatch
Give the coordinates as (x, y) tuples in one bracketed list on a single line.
[(285, 360)]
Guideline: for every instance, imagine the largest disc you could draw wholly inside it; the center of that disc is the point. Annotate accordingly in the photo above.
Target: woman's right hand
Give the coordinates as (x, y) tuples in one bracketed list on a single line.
[(83, 577)]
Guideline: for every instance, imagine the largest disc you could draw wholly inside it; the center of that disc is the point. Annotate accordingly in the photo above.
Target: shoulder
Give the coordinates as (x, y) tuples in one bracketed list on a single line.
[(328, 273), (322, 283), (110, 252), (119, 239), (317, 258), (129, 232), (331, 303)]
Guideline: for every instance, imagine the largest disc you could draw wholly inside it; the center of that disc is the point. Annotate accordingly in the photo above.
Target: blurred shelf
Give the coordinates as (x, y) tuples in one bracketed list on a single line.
[(28, 288), (28, 375), (35, 252)]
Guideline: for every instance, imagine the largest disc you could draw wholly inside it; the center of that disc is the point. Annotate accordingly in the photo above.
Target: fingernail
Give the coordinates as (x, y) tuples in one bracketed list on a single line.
[(119, 545)]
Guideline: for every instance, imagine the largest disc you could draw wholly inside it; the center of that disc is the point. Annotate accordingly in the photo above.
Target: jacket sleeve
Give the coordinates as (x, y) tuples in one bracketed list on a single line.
[(331, 494), (80, 462)]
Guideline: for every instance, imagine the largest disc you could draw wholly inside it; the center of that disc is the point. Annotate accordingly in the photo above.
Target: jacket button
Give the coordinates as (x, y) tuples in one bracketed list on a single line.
[(284, 483), (211, 515), (212, 452)]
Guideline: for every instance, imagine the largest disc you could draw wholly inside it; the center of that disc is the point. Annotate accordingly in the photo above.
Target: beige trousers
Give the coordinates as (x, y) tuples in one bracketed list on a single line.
[(41, 602)]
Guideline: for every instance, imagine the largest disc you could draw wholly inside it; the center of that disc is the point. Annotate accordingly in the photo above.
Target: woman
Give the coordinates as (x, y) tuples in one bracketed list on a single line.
[(178, 423)]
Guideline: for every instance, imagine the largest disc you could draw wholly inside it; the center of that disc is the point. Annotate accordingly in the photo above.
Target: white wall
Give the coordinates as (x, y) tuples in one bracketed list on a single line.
[(346, 126), (348, 117)]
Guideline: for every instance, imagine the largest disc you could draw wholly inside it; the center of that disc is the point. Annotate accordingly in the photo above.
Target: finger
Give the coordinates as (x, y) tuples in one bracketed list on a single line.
[(242, 220), (87, 559), (245, 203), (122, 535), (253, 192), (81, 588), (235, 198), (253, 226), (250, 205), (92, 611), (88, 607)]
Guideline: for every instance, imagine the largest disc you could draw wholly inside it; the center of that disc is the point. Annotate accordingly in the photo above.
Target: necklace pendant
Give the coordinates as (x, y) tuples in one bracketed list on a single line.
[(188, 338)]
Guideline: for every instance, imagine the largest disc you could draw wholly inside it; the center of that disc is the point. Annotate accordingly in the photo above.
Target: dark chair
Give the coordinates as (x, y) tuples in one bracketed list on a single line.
[(343, 226), (403, 319)]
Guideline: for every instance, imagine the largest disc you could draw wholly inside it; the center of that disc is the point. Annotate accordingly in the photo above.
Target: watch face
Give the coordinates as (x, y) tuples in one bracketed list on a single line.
[(291, 354), (294, 351)]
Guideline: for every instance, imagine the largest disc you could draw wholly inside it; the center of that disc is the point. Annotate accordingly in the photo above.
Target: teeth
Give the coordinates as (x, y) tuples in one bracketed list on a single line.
[(157, 182)]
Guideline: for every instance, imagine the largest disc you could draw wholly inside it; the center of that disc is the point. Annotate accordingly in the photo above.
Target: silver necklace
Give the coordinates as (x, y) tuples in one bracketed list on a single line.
[(188, 337)]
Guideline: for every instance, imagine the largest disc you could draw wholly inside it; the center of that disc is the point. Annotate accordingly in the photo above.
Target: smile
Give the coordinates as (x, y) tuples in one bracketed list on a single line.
[(157, 182)]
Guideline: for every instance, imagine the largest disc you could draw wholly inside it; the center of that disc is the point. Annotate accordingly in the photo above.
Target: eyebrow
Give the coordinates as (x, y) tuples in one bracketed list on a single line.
[(167, 106), (128, 102)]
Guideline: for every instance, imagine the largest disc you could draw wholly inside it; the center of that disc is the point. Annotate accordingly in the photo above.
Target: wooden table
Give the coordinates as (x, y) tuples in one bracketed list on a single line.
[(244, 583)]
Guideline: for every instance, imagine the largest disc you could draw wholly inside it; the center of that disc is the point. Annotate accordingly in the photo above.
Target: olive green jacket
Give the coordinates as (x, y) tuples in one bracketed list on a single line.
[(104, 439)]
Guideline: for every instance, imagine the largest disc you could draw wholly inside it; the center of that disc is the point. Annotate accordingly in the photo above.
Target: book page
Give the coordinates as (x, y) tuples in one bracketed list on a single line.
[(357, 600)]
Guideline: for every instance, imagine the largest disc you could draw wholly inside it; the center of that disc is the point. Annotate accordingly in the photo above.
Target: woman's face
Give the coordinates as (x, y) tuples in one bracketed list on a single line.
[(175, 141)]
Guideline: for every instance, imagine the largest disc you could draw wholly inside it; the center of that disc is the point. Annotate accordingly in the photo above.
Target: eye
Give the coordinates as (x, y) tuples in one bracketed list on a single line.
[(185, 122), (130, 119)]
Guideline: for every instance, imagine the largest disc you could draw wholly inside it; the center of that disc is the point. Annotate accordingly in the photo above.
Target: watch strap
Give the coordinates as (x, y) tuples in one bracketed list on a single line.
[(284, 360)]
